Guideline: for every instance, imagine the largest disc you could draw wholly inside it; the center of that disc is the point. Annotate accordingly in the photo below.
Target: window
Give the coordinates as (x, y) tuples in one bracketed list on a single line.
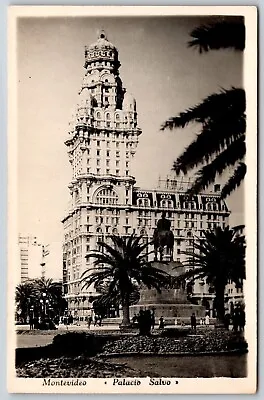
[(97, 162), (108, 153), (107, 116), (98, 143), (107, 163), (106, 196), (117, 163), (143, 202), (98, 152), (166, 203), (117, 144), (118, 154)]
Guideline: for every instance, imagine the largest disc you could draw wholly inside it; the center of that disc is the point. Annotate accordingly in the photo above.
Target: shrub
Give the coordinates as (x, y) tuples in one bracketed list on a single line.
[(175, 332), (76, 343)]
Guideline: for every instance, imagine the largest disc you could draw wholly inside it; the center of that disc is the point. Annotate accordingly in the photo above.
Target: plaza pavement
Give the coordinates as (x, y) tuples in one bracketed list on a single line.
[(42, 338)]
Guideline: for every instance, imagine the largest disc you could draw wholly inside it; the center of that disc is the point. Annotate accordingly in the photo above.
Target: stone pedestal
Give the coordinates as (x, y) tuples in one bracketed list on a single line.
[(170, 303)]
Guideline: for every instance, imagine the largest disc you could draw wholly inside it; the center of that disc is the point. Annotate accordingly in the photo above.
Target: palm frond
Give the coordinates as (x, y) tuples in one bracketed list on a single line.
[(212, 107), (219, 35), (234, 181), (214, 137), (229, 157)]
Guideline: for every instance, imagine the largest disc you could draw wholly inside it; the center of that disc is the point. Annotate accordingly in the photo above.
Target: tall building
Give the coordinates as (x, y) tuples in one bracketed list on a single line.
[(105, 200), (31, 258)]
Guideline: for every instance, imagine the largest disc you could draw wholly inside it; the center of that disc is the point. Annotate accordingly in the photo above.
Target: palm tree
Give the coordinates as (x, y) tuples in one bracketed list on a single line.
[(220, 258), (25, 297), (51, 291), (121, 266), (221, 141)]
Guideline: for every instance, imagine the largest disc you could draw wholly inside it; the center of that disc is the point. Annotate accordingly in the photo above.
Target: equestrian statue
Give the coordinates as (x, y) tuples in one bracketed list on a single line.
[(163, 239)]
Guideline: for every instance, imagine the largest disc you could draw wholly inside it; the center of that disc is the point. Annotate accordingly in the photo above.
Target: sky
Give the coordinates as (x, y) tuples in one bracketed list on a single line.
[(157, 68)]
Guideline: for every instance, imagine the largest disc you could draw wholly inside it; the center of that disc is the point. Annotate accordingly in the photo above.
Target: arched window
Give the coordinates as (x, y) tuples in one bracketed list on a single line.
[(166, 203), (98, 115), (209, 206), (192, 205), (117, 117), (107, 116), (215, 206), (106, 196), (143, 202)]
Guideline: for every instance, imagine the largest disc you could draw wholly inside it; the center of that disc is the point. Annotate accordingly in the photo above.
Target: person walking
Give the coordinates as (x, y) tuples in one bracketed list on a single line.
[(31, 323), (161, 323), (241, 320), (153, 320), (193, 322), (207, 320), (89, 321), (227, 321)]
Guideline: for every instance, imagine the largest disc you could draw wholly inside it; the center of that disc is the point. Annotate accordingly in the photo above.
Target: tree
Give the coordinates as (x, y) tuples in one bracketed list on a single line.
[(220, 143), (53, 293), (25, 297), (220, 258), (120, 267)]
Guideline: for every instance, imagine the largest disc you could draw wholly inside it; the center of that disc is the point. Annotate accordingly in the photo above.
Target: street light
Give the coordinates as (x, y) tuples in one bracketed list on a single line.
[(44, 302)]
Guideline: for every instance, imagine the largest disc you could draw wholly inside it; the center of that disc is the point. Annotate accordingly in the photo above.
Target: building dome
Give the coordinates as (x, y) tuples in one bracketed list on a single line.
[(101, 43), (129, 103)]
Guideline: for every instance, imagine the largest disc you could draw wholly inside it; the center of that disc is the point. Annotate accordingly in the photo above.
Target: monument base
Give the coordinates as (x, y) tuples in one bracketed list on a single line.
[(170, 303)]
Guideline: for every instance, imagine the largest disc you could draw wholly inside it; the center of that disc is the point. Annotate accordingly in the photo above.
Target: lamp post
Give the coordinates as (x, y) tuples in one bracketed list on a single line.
[(44, 303)]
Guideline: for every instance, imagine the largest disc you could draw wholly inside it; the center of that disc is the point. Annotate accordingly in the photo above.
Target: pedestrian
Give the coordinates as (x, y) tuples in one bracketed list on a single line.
[(161, 323), (176, 321), (193, 322), (207, 320), (95, 319), (227, 321), (153, 320), (89, 321), (31, 323), (241, 320), (235, 319)]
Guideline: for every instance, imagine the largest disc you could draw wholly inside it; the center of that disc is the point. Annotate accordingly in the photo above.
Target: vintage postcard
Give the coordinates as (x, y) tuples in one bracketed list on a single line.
[(132, 184)]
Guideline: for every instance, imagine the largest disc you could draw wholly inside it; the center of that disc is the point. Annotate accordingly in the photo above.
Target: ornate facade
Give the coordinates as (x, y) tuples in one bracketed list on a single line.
[(102, 140)]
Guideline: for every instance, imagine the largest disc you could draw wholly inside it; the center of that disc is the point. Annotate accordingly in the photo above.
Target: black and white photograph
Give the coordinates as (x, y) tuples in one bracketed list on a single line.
[(132, 199)]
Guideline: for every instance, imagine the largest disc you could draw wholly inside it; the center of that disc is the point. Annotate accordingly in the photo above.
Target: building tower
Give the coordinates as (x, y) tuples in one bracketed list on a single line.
[(101, 142)]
